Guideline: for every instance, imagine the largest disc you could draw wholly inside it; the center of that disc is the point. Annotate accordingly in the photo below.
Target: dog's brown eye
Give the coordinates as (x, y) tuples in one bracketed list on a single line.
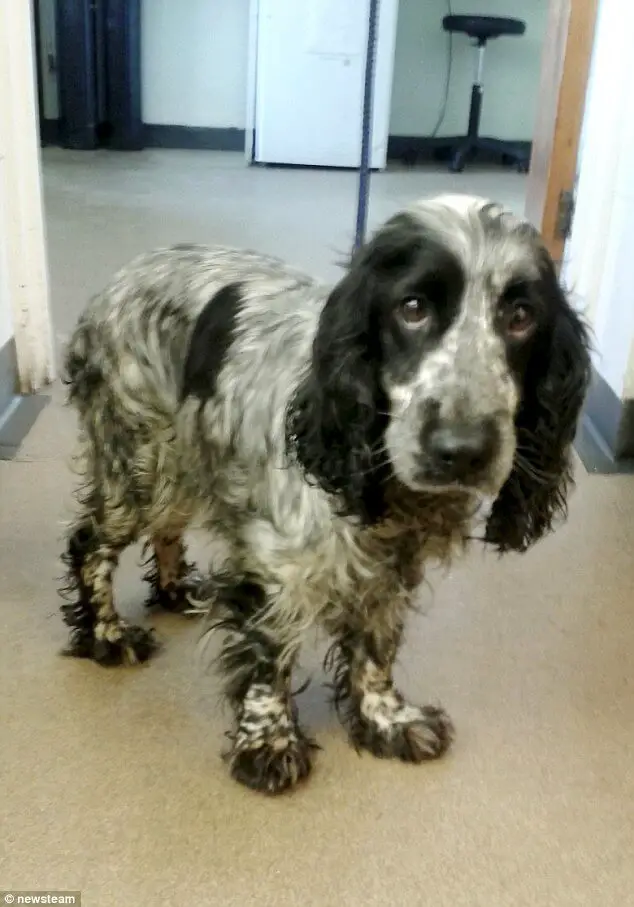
[(520, 320), (414, 311)]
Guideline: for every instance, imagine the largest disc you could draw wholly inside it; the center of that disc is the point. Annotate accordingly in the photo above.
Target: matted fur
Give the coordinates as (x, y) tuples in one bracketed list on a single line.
[(223, 388)]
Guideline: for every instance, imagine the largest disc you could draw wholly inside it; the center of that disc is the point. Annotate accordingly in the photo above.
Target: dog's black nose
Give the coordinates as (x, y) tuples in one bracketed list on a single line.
[(462, 451)]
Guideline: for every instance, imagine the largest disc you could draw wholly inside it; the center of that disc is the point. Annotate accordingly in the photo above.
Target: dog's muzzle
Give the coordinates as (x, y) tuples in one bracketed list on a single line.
[(459, 452)]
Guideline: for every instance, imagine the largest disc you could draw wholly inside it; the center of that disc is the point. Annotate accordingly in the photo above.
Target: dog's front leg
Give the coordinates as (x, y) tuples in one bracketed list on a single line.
[(269, 750), (377, 716)]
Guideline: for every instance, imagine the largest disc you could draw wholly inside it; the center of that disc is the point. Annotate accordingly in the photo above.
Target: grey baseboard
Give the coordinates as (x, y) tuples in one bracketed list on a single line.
[(17, 421), (157, 135), (414, 148), (605, 440), (194, 137), (423, 148), (8, 372), (17, 413)]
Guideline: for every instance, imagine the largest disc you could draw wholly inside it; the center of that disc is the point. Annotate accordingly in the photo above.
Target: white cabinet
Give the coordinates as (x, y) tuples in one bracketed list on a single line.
[(308, 81)]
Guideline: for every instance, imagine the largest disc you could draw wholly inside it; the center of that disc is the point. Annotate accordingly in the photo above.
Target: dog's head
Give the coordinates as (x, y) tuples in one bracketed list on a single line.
[(449, 358)]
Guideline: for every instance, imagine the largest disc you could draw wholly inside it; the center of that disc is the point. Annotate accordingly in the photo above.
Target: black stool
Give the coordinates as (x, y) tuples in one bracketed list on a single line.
[(481, 29)]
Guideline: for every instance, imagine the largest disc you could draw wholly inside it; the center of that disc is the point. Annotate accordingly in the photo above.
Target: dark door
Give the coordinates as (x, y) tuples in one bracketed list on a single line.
[(99, 73), (77, 74), (123, 69)]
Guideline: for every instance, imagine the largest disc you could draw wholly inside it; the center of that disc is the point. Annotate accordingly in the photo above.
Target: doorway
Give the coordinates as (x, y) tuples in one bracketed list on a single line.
[(26, 345), (565, 71), (88, 64)]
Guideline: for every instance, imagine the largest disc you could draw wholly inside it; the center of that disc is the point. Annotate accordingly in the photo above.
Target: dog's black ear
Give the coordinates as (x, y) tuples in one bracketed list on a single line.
[(554, 387), (337, 420)]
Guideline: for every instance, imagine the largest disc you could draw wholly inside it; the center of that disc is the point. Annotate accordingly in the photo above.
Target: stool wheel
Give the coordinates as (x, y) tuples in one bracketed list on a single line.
[(409, 158), (458, 159)]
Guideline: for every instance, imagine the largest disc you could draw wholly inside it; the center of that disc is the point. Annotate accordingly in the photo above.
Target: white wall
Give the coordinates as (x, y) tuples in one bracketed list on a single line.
[(511, 69), (195, 53), (615, 324), (628, 386), (597, 166), (6, 318), (24, 288), (598, 261), (194, 62)]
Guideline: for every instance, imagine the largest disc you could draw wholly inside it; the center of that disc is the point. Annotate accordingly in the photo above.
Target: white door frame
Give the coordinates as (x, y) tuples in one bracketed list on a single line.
[(22, 232)]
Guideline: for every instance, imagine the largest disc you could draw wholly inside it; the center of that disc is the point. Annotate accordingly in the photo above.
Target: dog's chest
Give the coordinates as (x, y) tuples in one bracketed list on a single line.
[(418, 530), (373, 567)]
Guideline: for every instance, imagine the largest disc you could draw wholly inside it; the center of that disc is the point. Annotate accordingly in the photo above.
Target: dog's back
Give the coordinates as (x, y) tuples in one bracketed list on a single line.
[(134, 336), (164, 324)]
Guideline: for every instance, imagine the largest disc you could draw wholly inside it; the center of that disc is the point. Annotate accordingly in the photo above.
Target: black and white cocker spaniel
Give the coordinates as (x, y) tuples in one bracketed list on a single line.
[(338, 439)]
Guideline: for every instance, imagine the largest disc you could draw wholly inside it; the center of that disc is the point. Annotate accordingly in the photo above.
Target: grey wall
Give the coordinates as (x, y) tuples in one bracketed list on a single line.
[(194, 62), (511, 73), (195, 65)]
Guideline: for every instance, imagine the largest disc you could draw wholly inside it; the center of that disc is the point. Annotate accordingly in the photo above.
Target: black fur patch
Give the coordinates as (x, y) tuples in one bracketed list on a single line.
[(211, 338), (135, 644), (272, 771), (77, 612), (82, 377), (175, 596), (249, 655), (426, 738), (429, 738), (556, 378)]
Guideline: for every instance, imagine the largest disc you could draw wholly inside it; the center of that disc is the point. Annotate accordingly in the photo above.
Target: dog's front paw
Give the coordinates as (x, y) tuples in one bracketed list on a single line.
[(411, 734), (275, 766)]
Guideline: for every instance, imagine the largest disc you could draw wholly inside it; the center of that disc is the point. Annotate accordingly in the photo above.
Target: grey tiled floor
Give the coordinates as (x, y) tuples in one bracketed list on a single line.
[(104, 207)]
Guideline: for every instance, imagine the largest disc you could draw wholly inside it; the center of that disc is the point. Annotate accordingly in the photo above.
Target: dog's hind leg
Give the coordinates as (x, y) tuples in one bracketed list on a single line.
[(97, 631), (171, 577)]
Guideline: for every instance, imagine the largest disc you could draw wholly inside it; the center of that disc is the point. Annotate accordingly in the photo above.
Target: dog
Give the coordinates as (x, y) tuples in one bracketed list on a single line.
[(338, 439)]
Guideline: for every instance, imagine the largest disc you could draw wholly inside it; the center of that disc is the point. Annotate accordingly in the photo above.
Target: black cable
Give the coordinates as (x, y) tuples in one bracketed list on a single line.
[(445, 100)]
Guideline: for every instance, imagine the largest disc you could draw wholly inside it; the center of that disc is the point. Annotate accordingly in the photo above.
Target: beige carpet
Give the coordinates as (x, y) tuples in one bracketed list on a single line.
[(111, 781)]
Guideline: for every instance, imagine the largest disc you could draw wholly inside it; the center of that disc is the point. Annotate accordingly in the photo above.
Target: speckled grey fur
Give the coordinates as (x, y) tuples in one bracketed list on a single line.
[(154, 464)]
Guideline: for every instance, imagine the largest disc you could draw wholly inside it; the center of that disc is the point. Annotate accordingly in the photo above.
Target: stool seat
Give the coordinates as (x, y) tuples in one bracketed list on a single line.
[(482, 28)]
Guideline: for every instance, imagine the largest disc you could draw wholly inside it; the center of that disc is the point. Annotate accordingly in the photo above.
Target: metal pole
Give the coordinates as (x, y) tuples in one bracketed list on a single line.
[(366, 127)]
